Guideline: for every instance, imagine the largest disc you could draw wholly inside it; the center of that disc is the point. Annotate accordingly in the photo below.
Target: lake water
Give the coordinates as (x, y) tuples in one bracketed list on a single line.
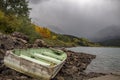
[(107, 59)]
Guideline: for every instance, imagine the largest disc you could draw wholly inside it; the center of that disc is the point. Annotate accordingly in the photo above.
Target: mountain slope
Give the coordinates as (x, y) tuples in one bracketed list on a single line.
[(109, 36), (111, 42), (56, 39), (108, 33)]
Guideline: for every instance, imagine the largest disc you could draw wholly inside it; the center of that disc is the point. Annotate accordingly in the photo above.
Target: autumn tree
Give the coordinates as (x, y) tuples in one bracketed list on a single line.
[(44, 32)]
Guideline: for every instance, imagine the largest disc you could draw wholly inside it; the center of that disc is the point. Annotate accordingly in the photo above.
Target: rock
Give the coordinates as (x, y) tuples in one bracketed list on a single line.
[(83, 66), (60, 78), (2, 52), (93, 74), (20, 35), (39, 43), (75, 69), (23, 77), (8, 79), (8, 42)]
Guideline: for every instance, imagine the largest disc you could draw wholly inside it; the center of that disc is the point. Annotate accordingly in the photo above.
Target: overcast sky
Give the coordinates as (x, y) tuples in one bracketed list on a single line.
[(81, 18)]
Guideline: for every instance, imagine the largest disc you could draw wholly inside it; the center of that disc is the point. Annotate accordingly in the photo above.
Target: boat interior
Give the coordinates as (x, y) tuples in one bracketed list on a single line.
[(43, 56)]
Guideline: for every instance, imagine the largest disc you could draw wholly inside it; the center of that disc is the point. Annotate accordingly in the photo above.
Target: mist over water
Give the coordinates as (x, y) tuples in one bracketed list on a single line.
[(82, 18)]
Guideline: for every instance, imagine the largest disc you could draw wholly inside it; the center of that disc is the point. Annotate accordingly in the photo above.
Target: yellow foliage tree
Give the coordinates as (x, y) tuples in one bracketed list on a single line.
[(54, 37), (44, 32)]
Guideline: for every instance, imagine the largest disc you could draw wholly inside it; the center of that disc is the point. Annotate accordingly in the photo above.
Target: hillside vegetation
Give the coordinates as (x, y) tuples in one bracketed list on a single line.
[(14, 17), (54, 39)]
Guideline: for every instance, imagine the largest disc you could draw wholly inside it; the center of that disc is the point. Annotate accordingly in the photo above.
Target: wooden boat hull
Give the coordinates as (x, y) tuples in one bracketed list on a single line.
[(31, 68)]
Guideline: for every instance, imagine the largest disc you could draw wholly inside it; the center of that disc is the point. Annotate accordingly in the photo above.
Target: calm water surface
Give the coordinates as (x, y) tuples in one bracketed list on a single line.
[(107, 59)]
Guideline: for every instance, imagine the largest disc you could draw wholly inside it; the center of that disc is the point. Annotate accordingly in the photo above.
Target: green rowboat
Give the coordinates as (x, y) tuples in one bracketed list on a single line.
[(40, 63)]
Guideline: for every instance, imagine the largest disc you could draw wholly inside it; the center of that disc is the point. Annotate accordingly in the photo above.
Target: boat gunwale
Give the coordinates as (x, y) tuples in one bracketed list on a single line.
[(11, 52)]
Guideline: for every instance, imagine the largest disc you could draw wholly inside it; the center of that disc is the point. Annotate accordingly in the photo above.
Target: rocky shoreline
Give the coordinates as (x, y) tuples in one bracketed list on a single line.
[(73, 69), (75, 65)]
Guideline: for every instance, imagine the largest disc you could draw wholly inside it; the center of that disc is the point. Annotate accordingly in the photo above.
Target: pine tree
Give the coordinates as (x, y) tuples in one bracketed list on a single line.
[(16, 7)]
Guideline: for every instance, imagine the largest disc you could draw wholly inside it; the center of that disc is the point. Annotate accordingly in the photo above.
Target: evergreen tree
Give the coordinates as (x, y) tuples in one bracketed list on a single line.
[(16, 7)]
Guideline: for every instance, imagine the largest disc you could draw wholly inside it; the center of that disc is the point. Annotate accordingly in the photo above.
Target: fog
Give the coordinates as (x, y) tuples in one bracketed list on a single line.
[(82, 18)]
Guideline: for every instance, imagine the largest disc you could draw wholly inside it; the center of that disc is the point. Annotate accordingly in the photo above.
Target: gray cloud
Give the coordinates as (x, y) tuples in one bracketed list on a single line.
[(77, 17), (37, 1)]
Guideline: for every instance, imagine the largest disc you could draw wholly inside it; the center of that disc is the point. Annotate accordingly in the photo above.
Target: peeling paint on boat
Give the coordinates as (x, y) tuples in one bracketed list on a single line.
[(40, 63)]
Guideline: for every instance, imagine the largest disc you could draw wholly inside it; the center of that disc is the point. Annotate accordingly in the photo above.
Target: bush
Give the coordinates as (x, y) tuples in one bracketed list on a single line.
[(10, 23), (27, 28), (5, 23)]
